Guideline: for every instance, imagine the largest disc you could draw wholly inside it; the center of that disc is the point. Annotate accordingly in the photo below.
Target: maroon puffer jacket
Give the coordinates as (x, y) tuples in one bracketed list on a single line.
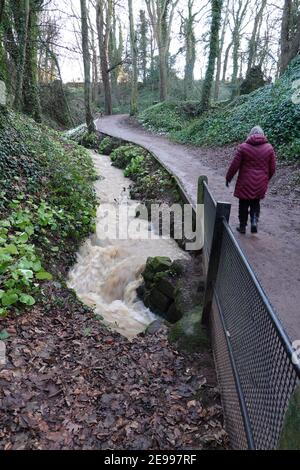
[(256, 162)]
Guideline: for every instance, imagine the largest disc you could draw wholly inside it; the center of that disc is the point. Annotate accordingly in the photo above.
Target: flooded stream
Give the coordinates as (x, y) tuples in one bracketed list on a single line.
[(108, 271)]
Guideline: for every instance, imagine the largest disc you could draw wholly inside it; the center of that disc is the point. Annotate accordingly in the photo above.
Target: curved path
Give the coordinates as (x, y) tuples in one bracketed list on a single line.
[(274, 253)]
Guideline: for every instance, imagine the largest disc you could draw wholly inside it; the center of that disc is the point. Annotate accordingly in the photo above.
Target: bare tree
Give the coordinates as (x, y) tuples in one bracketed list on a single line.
[(87, 66), (161, 13), (49, 36), (134, 57), (238, 13), (188, 33), (104, 12), (221, 47), (254, 40), (216, 13), (143, 44)]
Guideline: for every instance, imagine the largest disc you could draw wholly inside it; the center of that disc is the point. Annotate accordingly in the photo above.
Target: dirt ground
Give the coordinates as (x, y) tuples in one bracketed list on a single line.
[(275, 252), (70, 383)]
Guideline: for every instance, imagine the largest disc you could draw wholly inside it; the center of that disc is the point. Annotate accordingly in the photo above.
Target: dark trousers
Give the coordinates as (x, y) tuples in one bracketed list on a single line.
[(254, 206)]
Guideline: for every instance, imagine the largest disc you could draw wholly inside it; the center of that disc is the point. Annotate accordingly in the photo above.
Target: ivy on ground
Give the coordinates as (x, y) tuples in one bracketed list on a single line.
[(275, 107), (47, 207)]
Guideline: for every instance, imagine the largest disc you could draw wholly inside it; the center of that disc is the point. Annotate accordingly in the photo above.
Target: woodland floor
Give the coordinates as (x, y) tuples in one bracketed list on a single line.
[(70, 383), (275, 252)]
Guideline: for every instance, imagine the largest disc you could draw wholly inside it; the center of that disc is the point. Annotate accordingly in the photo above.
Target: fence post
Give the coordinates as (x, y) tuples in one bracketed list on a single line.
[(201, 181), (223, 210)]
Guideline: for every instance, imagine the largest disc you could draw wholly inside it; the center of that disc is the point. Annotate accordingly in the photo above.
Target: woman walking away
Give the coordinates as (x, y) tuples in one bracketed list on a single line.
[(255, 161)]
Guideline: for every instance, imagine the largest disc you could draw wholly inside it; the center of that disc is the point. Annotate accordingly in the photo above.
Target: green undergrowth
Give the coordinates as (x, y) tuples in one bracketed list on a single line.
[(151, 182), (275, 107), (47, 207)]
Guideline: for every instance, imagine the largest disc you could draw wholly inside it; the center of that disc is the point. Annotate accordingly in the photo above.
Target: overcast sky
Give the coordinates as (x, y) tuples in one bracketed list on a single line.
[(66, 12)]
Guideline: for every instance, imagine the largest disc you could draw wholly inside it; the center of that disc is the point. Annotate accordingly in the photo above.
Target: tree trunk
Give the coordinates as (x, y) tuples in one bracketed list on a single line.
[(94, 63), (213, 54), (3, 63), (225, 65), (143, 44), (2, 5), (103, 28), (235, 60), (255, 36), (239, 12), (190, 47), (161, 13), (163, 74), (189, 68), (290, 34), (219, 60), (87, 67), (31, 97), (24, 9), (134, 54)]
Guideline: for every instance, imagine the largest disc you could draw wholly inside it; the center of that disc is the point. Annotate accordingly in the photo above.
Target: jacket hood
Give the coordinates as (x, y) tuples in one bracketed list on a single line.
[(257, 139)]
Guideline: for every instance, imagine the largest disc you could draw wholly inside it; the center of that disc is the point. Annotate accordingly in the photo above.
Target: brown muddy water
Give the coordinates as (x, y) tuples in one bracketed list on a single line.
[(108, 270)]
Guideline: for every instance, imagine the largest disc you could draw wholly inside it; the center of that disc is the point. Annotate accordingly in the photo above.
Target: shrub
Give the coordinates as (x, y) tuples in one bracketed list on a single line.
[(164, 117), (108, 145), (90, 140), (122, 156), (135, 167)]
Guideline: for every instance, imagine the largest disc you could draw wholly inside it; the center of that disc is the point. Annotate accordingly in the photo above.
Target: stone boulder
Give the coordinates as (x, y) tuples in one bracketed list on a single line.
[(154, 266), (159, 289)]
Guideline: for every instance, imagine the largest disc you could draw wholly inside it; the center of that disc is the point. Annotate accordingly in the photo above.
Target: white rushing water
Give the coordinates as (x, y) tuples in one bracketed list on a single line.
[(108, 271)]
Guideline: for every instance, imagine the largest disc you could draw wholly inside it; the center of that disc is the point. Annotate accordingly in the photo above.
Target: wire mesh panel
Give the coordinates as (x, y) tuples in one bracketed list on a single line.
[(260, 350), (230, 400), (209, 220)]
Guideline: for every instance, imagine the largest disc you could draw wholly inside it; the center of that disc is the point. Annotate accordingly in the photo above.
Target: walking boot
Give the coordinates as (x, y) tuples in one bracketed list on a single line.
[(242, 229), (254, 222)]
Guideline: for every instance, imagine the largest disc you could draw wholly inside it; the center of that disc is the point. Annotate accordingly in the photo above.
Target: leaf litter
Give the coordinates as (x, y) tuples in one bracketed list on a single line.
[(64, 389)]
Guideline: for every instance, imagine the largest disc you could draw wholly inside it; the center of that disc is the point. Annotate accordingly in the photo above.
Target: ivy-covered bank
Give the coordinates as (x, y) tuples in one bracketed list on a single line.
[(150, 181), (275, 107), (47, 207)]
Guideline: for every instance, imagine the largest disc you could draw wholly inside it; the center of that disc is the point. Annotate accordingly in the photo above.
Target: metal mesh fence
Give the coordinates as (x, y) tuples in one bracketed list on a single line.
[(209, 220), (252, 352), (230, 400), (261, 351)]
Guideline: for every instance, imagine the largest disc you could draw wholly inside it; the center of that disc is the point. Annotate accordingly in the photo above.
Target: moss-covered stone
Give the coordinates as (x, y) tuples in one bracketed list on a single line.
[(290, 436), (189, 333), (156, 265), (173, 315), (166, 286), (159, 303)]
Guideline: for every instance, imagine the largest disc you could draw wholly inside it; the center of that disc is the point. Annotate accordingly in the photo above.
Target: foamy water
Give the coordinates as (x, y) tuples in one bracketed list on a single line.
[(108, 271)]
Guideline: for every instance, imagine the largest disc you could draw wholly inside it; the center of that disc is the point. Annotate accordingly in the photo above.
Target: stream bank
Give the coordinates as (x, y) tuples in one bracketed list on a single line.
[(108, 271), (71, 383)]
